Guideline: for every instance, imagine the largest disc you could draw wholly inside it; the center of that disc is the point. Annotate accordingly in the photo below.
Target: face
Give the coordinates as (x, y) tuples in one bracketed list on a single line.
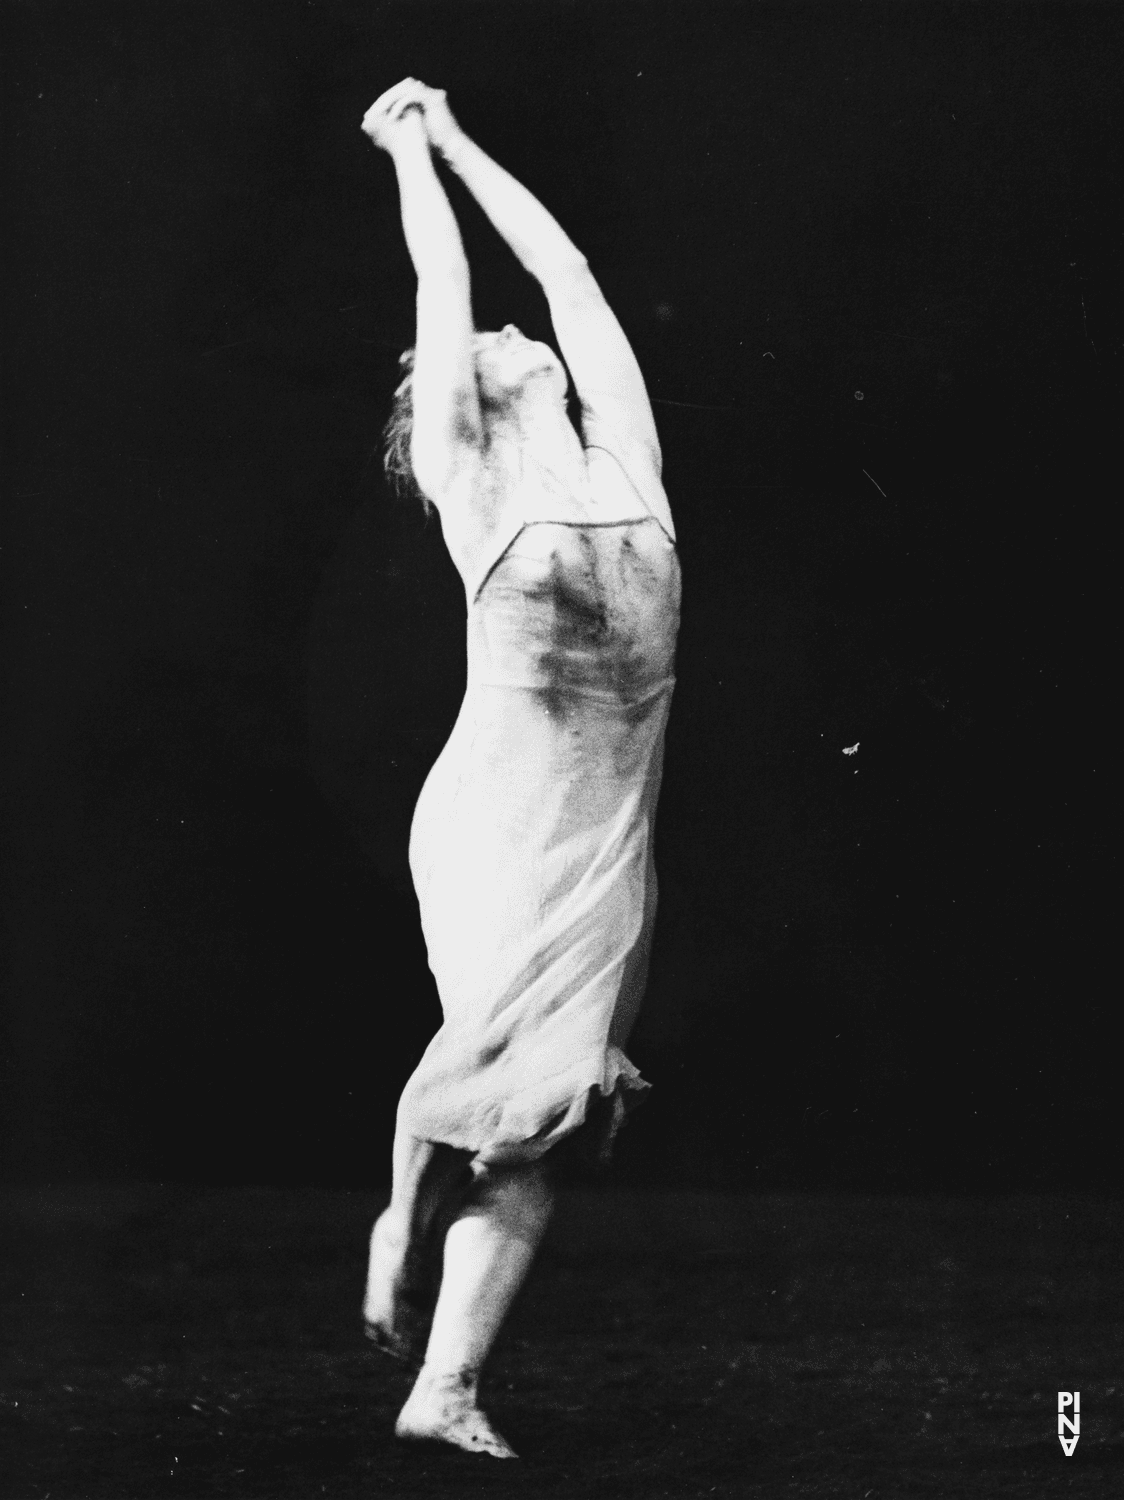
[(507, 361)]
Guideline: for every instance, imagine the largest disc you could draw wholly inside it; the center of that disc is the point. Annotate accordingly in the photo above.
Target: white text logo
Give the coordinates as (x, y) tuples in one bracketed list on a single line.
[(1069, 1399)]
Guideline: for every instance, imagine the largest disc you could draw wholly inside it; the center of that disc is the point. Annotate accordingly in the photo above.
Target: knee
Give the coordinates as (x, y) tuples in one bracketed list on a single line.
[(524, 1196)]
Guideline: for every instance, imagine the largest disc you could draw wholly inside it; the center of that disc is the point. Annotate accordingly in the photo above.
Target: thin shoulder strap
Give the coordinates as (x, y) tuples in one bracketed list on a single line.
[(646, 486), (502, 540), (520, 509)]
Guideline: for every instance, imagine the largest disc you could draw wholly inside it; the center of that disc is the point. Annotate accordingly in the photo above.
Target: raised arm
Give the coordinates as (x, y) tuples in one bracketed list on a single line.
[(609, 384), (447, 425)]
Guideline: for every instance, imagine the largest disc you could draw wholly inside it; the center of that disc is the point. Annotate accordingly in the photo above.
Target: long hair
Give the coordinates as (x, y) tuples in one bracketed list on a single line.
[(396, 437), (399, 431)]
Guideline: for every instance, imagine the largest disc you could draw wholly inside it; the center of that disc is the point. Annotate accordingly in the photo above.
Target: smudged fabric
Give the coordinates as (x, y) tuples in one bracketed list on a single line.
[(532, 842)]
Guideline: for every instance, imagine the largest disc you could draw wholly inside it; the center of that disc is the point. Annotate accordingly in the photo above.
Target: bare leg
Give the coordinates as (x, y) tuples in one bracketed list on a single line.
[(429, 1183), (488, 1252)]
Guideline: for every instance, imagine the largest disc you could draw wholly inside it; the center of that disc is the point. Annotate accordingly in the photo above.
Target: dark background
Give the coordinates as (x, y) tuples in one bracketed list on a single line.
[(233, 655)]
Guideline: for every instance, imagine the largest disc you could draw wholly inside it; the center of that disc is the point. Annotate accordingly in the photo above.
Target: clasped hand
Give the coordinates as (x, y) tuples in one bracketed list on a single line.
[(394, 116)]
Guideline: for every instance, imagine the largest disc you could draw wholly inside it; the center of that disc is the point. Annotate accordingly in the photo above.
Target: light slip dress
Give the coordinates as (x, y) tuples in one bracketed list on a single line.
[(531, 848)]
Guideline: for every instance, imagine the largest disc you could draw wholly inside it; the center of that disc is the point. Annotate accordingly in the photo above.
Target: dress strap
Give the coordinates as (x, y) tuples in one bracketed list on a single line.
[(514, 533), (645, 486), (534, 504), (508, 534)]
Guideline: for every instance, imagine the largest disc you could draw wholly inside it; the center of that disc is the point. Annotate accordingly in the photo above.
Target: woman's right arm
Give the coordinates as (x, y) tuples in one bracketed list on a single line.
[(447, 427)]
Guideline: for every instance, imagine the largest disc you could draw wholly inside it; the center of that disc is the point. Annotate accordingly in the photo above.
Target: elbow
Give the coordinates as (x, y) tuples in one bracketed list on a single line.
[(565, 275)]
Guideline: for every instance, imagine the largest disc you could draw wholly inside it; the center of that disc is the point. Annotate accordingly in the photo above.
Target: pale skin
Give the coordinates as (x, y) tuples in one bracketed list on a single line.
[(475, 394)]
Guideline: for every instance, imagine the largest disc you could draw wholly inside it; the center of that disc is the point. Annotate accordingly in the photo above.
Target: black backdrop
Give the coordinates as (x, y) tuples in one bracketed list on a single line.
[(867, 258)]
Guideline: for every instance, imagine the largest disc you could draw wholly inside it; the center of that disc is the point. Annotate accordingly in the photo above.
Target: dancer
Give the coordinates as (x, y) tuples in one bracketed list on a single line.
[(531, 846)]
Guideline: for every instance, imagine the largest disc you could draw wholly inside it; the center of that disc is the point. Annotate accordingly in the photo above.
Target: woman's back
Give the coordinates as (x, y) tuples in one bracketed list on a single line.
[(572, 620), (578, 611)]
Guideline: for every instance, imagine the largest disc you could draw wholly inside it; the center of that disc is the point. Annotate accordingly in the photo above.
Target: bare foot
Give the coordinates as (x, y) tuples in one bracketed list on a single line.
[(443, 1409), (392, 1319)]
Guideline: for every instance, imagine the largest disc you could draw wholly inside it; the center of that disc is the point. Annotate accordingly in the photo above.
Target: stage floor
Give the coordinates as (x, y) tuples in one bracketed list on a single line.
[(206, 1342)]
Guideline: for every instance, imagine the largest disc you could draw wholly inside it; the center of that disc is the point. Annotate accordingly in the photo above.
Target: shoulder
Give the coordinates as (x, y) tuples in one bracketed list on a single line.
[(611, 433), (625, 470), (473, 504)]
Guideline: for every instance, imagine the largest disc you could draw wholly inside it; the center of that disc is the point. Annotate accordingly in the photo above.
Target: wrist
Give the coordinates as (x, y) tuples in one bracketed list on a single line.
[(409, 149), (452, 146)]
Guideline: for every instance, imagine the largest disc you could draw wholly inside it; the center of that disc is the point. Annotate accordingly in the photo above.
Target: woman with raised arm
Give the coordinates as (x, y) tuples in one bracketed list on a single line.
[(531, 846)]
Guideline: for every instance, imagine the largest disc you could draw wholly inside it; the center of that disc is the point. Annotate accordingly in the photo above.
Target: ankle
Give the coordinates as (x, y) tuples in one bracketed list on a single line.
[(457, 1381)]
